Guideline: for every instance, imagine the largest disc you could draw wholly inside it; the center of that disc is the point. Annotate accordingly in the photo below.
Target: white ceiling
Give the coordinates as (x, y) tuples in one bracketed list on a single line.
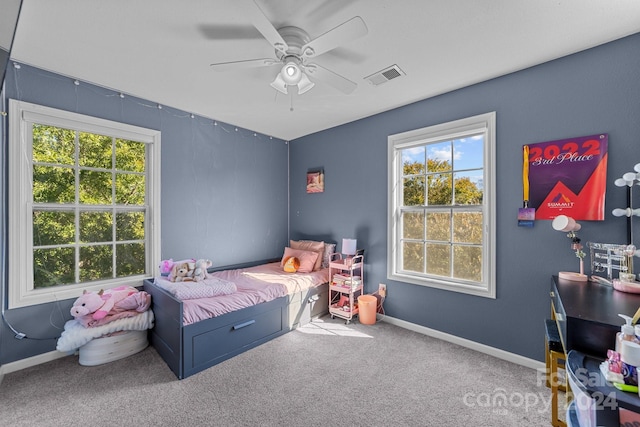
[(161, 50)]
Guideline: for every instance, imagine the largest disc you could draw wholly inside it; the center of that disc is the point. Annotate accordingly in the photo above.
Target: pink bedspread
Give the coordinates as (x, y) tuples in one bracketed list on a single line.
[(255, 285)]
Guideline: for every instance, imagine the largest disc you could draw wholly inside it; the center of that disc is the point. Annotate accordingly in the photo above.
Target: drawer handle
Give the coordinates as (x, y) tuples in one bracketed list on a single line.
[(243, 325), (559, 317), (314, 298)]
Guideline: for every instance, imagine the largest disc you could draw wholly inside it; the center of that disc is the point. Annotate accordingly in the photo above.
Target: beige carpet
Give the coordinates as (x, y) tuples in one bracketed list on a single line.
[(324, 374)]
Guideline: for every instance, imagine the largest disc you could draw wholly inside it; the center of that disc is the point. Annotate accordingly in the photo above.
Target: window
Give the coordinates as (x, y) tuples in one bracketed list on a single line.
[(441, 206), (83, 204)]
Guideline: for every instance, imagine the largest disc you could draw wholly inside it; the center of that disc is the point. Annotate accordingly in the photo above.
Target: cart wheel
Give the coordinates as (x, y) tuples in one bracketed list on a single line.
[(332, 316), (347, 322)]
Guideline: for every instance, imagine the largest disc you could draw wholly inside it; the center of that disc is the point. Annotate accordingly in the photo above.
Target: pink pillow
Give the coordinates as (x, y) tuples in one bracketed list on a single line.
[(307, 259), (310, 245)]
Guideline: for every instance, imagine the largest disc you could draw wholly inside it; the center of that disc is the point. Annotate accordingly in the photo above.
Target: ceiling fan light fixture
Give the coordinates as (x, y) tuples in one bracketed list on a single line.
[(291, 73), (279, 84), (291, 70), (305, 84)]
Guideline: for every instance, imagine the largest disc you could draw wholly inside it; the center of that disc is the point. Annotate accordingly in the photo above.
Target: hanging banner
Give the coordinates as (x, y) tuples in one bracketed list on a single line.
[(569, 177)]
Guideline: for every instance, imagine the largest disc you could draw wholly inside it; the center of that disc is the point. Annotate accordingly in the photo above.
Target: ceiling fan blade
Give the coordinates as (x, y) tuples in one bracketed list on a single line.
[(249, 63), (341, 83), (347, 31), (266, 28)]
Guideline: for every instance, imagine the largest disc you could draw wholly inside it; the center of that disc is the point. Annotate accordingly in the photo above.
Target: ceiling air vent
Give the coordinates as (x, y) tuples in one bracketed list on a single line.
[(385, 75)]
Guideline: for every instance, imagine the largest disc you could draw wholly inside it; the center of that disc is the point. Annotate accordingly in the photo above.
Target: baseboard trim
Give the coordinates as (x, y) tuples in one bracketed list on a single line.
[(482, 348), (7, 368), (18, 365)]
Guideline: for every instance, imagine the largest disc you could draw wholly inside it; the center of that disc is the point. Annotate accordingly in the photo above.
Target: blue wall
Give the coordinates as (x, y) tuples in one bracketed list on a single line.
[(595, 91), (224, 191)]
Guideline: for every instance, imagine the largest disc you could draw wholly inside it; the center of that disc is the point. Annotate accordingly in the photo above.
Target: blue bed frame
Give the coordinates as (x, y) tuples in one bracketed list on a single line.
[(190, 349)]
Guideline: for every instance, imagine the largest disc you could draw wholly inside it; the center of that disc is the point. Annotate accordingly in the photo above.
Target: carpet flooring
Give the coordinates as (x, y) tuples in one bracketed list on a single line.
[(323, 374)]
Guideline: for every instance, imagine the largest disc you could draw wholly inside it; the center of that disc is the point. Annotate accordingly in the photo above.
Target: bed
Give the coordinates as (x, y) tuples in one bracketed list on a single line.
[(194, 334)]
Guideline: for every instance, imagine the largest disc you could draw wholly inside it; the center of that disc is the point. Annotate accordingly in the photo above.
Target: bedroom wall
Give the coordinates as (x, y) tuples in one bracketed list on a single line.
[(224, 192), (595, 91)]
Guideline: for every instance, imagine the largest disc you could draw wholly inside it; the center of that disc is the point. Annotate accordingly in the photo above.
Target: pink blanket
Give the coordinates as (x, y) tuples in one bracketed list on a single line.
[(254, 285)]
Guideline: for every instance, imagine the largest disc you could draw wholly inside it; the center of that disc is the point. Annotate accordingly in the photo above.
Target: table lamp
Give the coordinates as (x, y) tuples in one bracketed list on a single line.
[(569, 225), (349, 249)]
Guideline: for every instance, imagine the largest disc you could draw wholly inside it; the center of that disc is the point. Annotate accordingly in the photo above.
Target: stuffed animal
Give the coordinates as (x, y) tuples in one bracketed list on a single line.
[(182, 272), (100, 303), (165, 266), (177, 269), (200, 271), (291, 265)]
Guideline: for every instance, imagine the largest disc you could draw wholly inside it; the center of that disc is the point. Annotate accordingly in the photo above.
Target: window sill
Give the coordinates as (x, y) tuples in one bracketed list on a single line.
[(481, 290)]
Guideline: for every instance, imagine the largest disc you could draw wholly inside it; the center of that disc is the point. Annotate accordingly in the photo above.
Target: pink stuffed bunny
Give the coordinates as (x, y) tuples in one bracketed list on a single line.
[(100, 303)]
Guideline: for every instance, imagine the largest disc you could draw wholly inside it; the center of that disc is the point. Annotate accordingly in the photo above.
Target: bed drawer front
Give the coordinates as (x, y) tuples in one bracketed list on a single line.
[(218, 343)]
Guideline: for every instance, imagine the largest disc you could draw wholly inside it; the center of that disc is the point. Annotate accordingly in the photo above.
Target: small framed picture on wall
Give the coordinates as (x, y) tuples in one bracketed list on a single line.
[(315, 181)]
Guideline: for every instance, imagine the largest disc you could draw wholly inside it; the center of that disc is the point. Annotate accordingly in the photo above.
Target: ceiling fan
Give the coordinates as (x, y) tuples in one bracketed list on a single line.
[(294, 49)]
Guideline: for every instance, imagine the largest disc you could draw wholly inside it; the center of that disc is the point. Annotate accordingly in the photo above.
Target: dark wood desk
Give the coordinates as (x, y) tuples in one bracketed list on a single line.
[(587, 314)]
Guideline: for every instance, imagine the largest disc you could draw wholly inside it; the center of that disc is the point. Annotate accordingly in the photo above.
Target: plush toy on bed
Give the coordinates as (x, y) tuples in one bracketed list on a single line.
[(98, 304), (173, 269), (165, 266), (182, 272), (291, 265), (200, 271)]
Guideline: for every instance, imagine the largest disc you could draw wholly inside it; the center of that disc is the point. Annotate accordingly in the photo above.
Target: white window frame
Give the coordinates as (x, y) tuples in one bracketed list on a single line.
[(22, 115), (483, 123)]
